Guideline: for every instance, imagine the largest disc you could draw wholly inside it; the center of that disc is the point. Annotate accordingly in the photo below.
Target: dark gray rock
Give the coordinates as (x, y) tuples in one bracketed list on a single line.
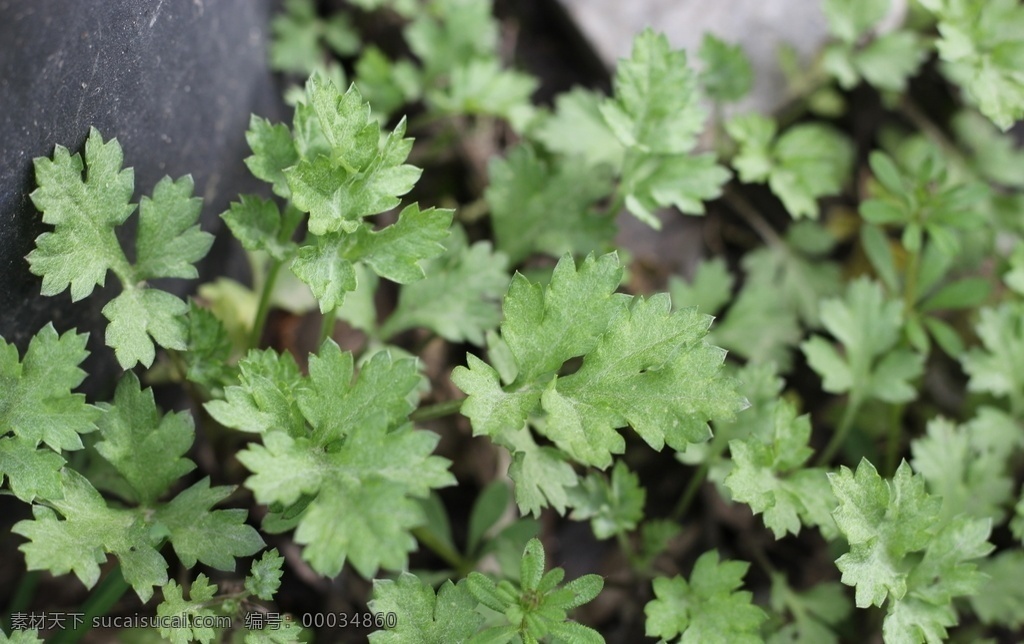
[(173, 80)]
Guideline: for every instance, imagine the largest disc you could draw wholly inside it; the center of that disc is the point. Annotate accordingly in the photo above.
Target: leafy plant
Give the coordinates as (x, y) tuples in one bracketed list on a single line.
[(441, 418)]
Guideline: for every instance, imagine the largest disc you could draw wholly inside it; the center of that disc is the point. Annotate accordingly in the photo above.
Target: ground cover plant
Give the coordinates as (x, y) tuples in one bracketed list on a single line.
[(448, 407)]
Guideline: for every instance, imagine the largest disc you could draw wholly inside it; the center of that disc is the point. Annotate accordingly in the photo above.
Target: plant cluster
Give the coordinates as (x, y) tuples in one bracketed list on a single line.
[(860, 393)]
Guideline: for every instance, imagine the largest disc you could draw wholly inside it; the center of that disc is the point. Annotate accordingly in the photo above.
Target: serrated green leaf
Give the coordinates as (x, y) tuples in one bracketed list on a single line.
[(890, 60), (30, 471), (995, 367), (849, 19), (815, 611), (360, 174), (208, 356), (182, 613), (540, 206), (422, 617), (145, 448), (36, 402), (577, 129), (458, 299), (707, 607), (273, 150), (169, 241), (361, 463), (769, 476), (214, 537), (264, 577), (709, 291), (85, 212), (140, 317), (868, 326), (728, 75), (90, 529), (301, 38), (266, 397), (1000, 600), (256, 223), (481, 86), (613, 506)]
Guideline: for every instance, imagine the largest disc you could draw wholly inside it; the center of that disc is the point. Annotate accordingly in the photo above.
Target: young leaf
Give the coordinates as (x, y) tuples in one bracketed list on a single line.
[(613, 506), (184, 612), (807, 162), (868, 326), (541, 206), (424, 618), (362, 505), (537, 607), (728, 74), (770, 475), (577, 129), (83, 245), (458, 299), (707, 607), (146, 449), (656, 114), (265, 576), (301, 38), (266, 396), (710, 290), (363, 174)]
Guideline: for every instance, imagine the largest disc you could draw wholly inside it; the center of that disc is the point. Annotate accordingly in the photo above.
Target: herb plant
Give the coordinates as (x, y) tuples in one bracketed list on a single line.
[(858, 399)]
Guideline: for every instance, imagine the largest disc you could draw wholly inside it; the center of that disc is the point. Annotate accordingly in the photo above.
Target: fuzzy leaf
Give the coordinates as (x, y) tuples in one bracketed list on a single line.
[(265, 576), (424, 618), (184, 612)]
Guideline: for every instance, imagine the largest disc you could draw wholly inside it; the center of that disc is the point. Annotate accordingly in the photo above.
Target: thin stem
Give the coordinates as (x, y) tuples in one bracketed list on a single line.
[(264, 306), (461, 565), (718, 445), (437, 410), (852, 407), (22, 598), (327, 325), (893, 440), (752, 216), (100, 601)]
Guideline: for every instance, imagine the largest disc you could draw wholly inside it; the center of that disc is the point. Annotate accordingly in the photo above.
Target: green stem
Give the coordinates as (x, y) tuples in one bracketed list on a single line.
[(22, 598), (718, 445), (462, 566), (264, 306), (852, 407), (101, 600), (437, 410), (327, 325), (894, 440)]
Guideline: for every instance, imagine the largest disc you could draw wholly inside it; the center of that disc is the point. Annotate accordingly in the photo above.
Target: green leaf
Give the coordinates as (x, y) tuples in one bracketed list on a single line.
[(273, 150), (214, 537), (807, 162), (452, 32), (362, 463), (542, 476), (707, 607), (422, 617), (20, 636), (760, 326), (362, 173), (169, 242), (577, 129), (31, 472), (394, 252), (966, 465), (728, 75), (995, 367), (849, 19), (89, 530), (256, 223), (815, 612), (458, 299), (386, 84), (208, 356), (183, 613), (890, 60), (487, 510), (769, 475), (83, 245), (547, 207), (36, 402), (868, 327), (538, 607), (1000, 600), (146, 449), (481, 86), (710, 290), (301, 38), (613, 506), (264, 578), (656, 114), (266, 397), (980, 44)]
